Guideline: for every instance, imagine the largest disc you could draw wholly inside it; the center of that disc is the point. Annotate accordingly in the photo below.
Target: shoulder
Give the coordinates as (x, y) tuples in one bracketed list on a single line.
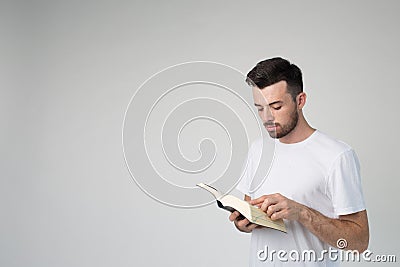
[(329, 144), (262, 148), (257, 145), (328, 148)]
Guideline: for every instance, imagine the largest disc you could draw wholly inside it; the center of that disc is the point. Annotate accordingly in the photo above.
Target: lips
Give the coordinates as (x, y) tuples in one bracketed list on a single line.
[(270, 126)]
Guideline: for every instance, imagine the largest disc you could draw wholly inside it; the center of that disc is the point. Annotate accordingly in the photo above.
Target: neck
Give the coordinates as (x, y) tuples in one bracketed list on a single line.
[(300, 133)]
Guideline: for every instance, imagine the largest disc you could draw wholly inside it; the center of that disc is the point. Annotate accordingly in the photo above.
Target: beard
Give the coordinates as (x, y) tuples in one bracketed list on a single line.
[(284, 129)]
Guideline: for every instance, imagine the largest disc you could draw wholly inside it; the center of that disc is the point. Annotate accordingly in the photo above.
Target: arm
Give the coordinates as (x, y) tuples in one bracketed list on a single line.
[(241, 224), (352, 227)]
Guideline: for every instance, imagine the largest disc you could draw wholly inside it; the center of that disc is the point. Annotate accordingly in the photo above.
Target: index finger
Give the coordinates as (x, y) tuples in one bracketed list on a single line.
[(259, 200), (265, 201)]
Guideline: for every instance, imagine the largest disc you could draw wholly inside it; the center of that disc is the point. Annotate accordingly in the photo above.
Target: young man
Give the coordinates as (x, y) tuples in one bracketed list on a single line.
[(313, 183)]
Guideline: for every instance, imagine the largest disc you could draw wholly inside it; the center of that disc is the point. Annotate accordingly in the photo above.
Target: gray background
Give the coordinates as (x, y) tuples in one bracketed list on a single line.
[(69, 68)]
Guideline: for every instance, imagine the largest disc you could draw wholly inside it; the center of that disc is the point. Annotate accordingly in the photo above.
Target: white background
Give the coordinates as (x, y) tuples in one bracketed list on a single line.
[(69, 68)]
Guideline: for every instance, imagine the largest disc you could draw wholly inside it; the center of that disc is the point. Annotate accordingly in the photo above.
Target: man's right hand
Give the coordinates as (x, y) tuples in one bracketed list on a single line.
[(241, 224)]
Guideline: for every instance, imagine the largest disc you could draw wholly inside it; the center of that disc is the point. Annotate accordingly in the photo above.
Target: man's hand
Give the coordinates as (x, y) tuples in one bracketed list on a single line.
[(241, 224), (352, 227), (279, 207)]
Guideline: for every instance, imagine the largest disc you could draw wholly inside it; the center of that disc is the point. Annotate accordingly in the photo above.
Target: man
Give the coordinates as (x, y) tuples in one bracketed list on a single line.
[(313, 182)]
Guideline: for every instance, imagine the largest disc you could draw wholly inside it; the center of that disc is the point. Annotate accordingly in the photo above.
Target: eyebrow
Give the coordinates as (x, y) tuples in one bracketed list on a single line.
[(273, 103)]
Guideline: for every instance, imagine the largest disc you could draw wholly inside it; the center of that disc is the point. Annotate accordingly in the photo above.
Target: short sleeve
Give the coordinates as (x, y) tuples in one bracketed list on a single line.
[(250, 166), (344, 184), (246, 175)]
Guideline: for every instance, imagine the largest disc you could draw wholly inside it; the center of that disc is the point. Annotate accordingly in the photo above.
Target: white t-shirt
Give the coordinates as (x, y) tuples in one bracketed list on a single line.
[(319, 172)]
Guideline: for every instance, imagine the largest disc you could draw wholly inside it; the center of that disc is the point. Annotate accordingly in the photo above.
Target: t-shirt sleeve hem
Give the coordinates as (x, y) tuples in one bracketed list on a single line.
[(349, 210)]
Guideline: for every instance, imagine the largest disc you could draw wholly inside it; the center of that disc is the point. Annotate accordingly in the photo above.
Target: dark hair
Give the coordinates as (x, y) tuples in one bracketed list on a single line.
[(270, 71)]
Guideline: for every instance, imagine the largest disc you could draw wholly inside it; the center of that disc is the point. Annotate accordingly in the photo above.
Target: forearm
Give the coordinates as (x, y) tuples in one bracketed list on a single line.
[(330, 230), (352, 227)]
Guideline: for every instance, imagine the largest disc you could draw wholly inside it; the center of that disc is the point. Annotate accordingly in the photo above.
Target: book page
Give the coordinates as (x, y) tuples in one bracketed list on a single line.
[(261, 218), (240, 205)]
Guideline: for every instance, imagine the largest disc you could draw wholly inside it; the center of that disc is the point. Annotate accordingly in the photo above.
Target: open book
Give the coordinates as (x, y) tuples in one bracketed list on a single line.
[(252, 213)]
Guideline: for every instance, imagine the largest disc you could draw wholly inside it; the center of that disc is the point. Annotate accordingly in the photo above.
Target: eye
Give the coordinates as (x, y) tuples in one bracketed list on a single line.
[(260, 109), (277, 108)]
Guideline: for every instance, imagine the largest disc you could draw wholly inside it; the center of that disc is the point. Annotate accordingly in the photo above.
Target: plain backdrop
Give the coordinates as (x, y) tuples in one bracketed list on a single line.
[(69, 68)]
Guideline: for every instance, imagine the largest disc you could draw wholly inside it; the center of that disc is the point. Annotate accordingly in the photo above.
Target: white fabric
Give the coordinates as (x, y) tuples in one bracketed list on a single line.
[(319, 172)]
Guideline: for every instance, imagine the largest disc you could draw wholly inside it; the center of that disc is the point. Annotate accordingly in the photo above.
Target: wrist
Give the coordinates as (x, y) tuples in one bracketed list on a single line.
[(305, 215)]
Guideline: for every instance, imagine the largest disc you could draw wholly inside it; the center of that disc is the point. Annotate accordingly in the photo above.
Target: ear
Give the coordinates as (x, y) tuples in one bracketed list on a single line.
[(301, 100)]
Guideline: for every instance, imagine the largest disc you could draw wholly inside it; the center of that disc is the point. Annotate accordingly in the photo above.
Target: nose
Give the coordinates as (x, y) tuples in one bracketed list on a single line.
[(266, 115)]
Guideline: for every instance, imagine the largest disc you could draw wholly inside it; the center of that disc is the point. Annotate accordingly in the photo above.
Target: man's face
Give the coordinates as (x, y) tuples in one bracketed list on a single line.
[(276, 109)]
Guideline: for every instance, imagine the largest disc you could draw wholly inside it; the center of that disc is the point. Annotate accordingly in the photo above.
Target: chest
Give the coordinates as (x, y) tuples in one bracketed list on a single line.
[(298, 176)]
